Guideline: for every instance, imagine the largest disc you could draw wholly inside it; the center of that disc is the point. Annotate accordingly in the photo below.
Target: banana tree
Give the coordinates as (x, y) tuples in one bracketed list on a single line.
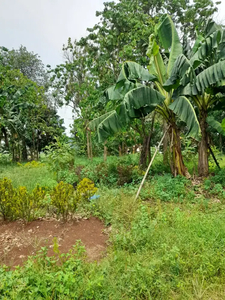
[(150, 94), (200, 76)]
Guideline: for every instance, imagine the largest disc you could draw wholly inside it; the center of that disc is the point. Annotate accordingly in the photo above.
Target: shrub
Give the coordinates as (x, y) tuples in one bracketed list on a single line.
[(65, 199), (31, 164), (59, 156), (7, 199), (28, 204), (18, 203), (86, 189)]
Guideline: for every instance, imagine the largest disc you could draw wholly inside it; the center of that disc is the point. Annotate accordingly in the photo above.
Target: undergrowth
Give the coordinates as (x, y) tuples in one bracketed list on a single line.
[(169, 244)]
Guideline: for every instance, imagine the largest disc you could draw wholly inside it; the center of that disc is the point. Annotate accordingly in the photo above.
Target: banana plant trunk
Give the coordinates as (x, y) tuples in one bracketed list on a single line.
[(203, 164), (176, 163)]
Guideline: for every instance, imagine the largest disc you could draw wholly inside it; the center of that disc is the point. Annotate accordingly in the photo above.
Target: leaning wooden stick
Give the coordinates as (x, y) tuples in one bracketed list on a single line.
[(149, 166)]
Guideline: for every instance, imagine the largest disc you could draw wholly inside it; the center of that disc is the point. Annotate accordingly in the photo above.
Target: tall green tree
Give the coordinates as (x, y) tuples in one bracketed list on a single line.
[(140, 98), (200, 76)]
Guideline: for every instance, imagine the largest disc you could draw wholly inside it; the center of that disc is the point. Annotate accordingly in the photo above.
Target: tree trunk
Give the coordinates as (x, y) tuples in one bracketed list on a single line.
[(150, 137), (166, 145), (105, 151), (88, 144), (120, 150), (144, 153), (176, 164), (24, 150), (203, 165), (4, 131)]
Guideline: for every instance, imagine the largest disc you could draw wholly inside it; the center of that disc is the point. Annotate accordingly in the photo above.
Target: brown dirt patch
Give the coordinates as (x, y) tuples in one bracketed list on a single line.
[(19, 240)]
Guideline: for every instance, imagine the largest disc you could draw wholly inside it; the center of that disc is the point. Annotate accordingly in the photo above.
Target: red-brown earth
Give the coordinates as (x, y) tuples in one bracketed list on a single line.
[(19, 240)]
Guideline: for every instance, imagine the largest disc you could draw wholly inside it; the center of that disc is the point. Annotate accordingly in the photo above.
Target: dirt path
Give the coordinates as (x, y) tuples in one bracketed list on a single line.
[(18, 240)]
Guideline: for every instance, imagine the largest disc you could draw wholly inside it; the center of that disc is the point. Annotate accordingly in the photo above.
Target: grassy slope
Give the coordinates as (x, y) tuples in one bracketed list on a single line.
[(170, 246)]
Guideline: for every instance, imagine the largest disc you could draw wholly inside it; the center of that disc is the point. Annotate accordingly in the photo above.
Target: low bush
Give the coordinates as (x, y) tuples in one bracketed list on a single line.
[(19, 203), (64, 199)]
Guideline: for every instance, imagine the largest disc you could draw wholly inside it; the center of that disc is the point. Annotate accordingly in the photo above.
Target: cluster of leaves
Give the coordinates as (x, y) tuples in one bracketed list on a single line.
[(61, 201), (28, 121), (59, 157), (18, 203), (157, 252), (65, 199), (31, 164), (93, 63), (168, 189)]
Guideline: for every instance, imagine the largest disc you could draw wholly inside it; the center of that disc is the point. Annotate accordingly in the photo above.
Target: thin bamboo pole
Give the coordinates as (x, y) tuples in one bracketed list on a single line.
[(149, 166)]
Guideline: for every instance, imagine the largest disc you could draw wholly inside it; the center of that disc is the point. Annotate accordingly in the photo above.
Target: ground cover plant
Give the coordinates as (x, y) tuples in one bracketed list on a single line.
[(138, 75), (169, 245)]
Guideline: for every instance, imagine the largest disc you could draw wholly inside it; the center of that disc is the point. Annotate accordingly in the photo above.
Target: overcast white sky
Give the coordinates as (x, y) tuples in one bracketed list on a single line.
[(43, 26)]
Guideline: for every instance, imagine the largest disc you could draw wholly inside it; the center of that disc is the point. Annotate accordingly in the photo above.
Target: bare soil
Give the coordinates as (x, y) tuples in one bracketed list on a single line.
[(19, 240)]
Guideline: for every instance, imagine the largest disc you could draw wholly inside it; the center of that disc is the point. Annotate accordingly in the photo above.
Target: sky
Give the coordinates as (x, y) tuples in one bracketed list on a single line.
[(43, 26)]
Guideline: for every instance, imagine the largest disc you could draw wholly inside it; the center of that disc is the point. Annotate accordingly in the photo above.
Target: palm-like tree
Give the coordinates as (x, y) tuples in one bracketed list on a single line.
[(143, 91), (200, 76)]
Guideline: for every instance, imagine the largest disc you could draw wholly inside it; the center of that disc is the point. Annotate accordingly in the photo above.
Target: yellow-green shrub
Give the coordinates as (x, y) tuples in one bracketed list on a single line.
[(28, 204), (31, 164), (18, 203), (65, 199), (86, 189), (7, 199)]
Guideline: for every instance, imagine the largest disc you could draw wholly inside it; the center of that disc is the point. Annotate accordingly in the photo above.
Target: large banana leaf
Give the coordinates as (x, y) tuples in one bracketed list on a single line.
[(170, 40), (207, 50), (109, 126), (211, 27), (156, 64), (180, 67), (138, 101), (185, 111), (132, 71), (216, 125), (93, 125), (207, 78)]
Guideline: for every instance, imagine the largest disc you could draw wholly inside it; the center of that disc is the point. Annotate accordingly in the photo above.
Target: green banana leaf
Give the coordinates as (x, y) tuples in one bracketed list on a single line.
[(109, 126), (93, 125), (185, 111), (219, 127), (138, 101), (207, 78), (180, 67), (170, 40), (156, 64), (132, 71)]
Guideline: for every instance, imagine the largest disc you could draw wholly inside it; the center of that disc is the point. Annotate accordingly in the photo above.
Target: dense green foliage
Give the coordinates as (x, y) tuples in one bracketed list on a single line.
[(28, 120), (125, 91), (169, 246)]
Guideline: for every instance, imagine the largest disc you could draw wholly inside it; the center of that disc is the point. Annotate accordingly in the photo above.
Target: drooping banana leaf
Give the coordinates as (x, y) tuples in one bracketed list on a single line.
[(223, 124), (207, 49), (185, 111), (113, 94), (219, 127), (93, 125), (170, 40), (137, 103), (132, 71), (109, 126), (211, 27), (144, 98), (180, 67), (207, 78)]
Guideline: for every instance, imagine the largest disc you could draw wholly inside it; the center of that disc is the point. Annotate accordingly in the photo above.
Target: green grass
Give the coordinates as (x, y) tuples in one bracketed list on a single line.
[(28, 177), (169, 246)]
